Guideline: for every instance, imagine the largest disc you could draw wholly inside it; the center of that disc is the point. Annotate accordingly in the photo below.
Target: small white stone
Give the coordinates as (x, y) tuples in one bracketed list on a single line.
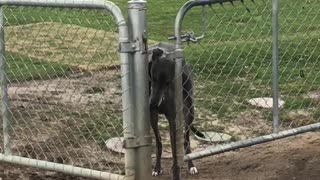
[(264, 102), (115, 144)]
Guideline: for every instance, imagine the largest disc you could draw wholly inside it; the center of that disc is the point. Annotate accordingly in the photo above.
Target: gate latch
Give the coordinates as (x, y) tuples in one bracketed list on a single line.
[(129, 47)]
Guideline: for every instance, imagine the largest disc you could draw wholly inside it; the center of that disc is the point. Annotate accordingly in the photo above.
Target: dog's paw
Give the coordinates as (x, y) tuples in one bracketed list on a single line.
[(193, 171), (156, 173)]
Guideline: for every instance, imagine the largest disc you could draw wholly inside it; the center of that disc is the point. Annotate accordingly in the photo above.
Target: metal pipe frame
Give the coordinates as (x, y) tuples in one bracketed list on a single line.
[(275, 66), (125, 81), (258, 140), (250, 142), (4, 90), (178, 70), (137, 24), (68, 169)]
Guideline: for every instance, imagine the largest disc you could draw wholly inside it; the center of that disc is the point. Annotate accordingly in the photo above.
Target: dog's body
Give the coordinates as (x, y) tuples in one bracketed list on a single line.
[(162, 101)]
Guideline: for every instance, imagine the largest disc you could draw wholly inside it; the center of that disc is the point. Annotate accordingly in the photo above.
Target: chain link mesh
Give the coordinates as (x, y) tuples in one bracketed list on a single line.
[(299, 40), (64, 77), (64, 86), (232, 68)]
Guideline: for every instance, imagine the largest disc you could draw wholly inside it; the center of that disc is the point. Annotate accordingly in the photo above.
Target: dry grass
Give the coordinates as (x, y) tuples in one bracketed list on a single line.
[(82, 47)]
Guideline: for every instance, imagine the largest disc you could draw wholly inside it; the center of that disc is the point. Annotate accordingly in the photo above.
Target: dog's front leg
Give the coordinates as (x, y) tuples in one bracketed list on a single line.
[(173, 138), (154, 124)]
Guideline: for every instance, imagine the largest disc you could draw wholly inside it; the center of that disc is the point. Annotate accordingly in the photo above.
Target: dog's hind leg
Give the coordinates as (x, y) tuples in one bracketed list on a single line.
[(189, 116), (154, 124)]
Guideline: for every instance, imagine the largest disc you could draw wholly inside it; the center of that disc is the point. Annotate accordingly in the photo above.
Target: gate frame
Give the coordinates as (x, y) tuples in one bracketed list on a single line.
[(137, 141), (212, 150)]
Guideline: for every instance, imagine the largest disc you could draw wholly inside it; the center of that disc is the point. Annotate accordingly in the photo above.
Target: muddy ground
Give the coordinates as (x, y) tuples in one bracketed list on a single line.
[(291, 158)]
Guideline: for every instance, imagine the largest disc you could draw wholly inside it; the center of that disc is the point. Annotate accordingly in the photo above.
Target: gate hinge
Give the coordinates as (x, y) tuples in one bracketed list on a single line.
[(129, 47), (135, 142)]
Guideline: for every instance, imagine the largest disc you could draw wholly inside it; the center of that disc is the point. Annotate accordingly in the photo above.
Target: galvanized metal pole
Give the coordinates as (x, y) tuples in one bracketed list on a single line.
[(126, 95), (179, 93), (68, 169), (137, 25), (250, 142), (127, 101), (179, 110), (4, 89), (275, 64)]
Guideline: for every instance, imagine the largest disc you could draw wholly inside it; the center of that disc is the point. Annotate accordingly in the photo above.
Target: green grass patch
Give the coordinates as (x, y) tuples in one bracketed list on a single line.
[(22, 68), (293, 103)]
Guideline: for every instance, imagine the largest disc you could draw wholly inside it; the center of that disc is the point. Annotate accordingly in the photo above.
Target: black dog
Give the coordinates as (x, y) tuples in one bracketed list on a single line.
[(162, 101)]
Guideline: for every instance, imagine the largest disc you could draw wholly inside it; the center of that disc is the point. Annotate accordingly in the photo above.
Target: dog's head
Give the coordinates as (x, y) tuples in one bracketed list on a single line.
[(161, 72)]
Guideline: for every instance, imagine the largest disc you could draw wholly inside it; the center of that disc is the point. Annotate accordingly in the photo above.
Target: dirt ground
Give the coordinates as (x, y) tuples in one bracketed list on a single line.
[(63, 120), (291, 158), (46, 112)]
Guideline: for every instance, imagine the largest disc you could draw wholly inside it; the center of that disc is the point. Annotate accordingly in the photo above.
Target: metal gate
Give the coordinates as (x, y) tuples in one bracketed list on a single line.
[(226, 88), (65, 91)]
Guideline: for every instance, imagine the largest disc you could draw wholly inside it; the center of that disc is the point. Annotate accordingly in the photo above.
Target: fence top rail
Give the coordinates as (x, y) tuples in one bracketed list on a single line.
[(81, 4)]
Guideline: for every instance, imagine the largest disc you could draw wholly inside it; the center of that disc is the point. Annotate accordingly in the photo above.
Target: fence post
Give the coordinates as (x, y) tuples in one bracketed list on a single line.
[(179, 110), (275, 64), (179, 91), (137, 26), (4, 89), (127, 102)]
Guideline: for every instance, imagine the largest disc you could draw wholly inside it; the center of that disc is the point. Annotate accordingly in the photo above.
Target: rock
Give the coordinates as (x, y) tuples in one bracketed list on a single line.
[(264, 102), (115, 144)]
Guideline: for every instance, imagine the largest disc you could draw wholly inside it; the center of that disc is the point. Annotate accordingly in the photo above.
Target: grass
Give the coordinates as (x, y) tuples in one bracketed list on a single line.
[(21, 68), (85, 48), (233, 62)]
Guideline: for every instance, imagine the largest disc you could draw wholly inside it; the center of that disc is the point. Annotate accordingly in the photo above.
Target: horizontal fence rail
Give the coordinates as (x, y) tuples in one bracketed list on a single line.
[(50, 166), (250, 142)]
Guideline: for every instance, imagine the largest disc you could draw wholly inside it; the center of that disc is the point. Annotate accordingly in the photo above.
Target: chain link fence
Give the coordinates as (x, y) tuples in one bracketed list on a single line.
[(299, 46), (65, 92), (232, 68), (64, 86)]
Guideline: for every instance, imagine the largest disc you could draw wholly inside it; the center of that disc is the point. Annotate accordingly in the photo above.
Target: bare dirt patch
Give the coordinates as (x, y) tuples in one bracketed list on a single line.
[(66, 120)]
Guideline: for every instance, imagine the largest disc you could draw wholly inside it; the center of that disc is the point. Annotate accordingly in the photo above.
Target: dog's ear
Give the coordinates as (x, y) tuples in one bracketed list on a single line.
[(156, 53)]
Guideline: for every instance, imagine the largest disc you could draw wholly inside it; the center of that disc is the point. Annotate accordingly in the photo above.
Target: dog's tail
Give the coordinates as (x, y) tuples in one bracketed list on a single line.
[(196, 131)]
